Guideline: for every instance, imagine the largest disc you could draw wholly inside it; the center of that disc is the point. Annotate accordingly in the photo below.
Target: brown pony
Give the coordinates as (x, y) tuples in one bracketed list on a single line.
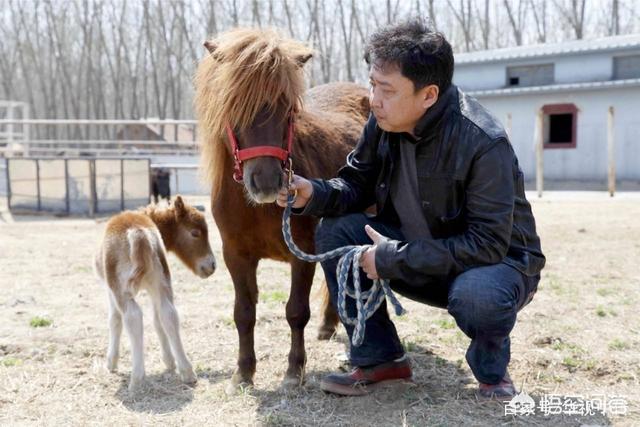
[(252, 81)]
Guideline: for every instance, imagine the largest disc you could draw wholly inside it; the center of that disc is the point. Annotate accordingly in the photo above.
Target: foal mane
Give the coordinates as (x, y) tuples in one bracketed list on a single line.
[(245, 71)]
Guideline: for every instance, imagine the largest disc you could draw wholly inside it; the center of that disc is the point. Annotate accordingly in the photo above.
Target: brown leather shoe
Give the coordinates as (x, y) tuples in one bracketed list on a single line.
[(504, 390), (362, 380)]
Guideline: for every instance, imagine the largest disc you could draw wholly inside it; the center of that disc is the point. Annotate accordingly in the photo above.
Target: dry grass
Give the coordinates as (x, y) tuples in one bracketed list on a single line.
[(580, 335)]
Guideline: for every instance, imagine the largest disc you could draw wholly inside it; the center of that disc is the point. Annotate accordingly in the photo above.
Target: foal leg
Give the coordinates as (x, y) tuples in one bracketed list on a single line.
[(169, 322), (133, 324), (115, 331), (243, 273), (167, 357), (298, 316)]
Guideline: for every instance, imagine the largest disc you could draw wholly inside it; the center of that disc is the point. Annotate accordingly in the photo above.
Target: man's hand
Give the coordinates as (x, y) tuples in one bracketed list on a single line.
[(368, 258), (305, 191)]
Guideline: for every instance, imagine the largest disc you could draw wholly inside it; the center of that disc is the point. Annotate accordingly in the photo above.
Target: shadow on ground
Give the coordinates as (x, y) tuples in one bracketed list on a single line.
[(442, 394), (160, 394)]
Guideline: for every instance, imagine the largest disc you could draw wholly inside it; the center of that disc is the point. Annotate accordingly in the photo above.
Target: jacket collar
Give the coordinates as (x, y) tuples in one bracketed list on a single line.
[(433, 115)]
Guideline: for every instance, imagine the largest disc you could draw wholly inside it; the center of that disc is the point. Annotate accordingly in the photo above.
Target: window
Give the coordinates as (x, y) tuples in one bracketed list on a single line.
[(560, 125), (626, 67), (530, 75)]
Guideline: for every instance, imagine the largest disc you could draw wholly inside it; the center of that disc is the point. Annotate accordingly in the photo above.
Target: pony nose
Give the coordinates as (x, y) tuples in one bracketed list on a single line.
[(262, 181)]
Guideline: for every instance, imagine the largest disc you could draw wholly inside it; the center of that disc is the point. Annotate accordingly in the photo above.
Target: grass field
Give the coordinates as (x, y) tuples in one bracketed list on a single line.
[(579, 336)]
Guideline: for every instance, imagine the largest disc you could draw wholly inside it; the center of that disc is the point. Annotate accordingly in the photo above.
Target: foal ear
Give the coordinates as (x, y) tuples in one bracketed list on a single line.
[(178, 206), (210, 45), (302, 59)]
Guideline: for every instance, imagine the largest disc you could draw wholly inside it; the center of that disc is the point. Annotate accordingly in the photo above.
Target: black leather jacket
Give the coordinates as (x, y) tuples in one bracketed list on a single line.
[(471, 190)]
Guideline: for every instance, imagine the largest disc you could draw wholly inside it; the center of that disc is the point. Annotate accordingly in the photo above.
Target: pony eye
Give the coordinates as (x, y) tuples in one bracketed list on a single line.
[(195, 233)]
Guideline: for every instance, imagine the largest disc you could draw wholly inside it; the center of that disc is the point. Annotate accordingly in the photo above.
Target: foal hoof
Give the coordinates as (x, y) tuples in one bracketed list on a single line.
[(188, 377), (112, 363), (135, 384), (325, 334), (111, 366)]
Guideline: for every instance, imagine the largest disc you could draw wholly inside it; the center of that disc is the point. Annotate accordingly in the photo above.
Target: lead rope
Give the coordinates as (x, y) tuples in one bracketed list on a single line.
[(367, 302)]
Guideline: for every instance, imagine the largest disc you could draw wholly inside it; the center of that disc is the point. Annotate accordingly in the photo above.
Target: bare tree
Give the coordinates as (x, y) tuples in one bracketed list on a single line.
[(432, 14), (485, 24), (464, 17), (255, 13), (573, 14), (347, 36), (132, 59), (539, 10), (614, 25), (516, 18)]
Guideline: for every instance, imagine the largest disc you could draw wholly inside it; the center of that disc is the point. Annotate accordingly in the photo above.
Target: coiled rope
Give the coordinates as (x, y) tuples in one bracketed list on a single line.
[(367, 302)]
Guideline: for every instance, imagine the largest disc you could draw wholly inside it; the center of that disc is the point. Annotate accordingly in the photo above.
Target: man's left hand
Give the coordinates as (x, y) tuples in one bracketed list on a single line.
[(368, 258)]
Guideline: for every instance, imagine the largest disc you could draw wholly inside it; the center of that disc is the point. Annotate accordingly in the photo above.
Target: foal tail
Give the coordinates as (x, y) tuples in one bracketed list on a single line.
[(140, 254)]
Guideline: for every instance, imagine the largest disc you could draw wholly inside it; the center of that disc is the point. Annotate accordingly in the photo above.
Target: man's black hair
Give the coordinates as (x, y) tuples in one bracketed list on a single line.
[(422, 55)]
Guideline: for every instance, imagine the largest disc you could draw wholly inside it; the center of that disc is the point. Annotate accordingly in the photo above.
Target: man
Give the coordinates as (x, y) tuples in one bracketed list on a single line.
[(453, 228)]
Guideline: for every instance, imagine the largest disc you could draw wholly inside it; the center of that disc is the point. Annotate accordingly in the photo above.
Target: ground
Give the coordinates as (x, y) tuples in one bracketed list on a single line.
[(579, 336)]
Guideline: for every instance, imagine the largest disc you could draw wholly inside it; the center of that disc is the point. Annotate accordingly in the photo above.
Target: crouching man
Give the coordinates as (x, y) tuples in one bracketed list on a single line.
[(453, 228)]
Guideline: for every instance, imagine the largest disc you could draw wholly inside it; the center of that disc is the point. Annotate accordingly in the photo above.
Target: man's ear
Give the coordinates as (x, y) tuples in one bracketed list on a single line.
[(430, 95)]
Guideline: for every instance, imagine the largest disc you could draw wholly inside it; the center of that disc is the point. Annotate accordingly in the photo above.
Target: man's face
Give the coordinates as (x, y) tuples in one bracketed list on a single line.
[(395, 103)]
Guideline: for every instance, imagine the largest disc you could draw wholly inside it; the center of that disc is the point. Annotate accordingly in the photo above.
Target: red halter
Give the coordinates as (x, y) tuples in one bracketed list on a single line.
[(242, 155)]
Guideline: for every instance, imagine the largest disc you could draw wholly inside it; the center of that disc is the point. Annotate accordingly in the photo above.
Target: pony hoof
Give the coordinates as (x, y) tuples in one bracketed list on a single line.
[(291, 383), (235, 388), (325, 334)]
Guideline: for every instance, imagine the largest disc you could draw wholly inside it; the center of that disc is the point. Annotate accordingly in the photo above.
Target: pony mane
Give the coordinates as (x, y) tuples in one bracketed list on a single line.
[(249, 69)]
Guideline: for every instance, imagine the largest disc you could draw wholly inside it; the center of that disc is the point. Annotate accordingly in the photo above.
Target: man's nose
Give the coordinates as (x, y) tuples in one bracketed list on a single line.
[(374, 100)]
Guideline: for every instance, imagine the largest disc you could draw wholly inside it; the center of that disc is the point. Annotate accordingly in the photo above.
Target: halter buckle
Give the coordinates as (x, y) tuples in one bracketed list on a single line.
[(290, 176)]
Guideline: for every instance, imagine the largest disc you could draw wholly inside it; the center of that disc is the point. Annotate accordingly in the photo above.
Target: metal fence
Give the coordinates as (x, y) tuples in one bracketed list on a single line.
[(97, 138), (76, 185), (184, 177)]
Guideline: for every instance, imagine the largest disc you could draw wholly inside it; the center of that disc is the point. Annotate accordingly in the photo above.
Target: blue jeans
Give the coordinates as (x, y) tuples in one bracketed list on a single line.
[(484, 302)]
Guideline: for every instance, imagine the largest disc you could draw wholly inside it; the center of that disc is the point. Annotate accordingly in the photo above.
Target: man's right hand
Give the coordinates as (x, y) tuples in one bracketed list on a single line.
[(305, 191)]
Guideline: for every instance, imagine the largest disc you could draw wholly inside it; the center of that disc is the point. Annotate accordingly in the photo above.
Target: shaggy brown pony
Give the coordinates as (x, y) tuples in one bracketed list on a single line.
[(252, 80)]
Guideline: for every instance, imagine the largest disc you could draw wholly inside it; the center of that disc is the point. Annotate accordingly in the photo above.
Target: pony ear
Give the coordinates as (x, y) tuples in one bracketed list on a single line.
[(178, 206), (302, 59), (210, 45)]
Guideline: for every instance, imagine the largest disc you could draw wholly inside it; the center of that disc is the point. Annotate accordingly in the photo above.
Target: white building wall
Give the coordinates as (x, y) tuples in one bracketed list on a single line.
[(480, 76), (588, 161), (567, 69), (583, 68)]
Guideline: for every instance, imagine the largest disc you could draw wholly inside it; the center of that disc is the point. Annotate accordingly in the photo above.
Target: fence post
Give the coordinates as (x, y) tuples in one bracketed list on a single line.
[(538, 140), (26, 134), (38, 184), (92, 188), (6, 162), (10, 125), (67, 199), (122, 184), (611, 153)]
